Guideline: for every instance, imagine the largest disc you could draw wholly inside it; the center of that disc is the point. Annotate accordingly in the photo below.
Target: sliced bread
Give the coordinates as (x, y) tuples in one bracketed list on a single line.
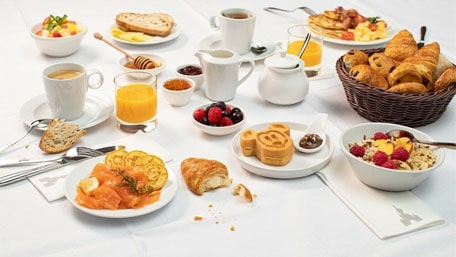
[(155, 24), (60, 136)]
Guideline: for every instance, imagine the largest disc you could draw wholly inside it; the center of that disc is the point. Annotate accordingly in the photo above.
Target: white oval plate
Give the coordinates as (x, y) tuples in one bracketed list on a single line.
[(214, 42), (98, 108), (84, 169), (301, 165), (175, 32)]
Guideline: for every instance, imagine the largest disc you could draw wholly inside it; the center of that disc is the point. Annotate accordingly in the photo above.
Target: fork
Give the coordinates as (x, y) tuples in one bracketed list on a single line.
[(303, 8), (73, 154), (23, 174)]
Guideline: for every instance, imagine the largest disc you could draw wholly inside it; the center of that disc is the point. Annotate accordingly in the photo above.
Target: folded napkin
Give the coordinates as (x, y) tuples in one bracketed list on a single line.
[(387, 214), (51, 184)]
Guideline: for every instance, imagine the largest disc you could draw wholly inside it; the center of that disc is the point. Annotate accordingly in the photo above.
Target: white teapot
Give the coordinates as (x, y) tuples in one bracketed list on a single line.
[(284, 80)]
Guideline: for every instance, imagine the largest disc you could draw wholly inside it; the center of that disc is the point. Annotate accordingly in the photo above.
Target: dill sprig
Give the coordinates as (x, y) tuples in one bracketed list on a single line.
[(133, 185)]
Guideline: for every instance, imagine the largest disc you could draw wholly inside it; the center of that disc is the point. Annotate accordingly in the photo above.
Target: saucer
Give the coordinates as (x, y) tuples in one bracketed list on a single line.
[(215, 41), (97, 109)]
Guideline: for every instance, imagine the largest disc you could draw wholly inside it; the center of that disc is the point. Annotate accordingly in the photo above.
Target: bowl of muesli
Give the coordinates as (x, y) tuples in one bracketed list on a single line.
[(389, 163)]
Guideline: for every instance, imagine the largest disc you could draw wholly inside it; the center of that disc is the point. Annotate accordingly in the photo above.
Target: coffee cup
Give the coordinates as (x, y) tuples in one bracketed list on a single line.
[(236, 27), (66, 86)]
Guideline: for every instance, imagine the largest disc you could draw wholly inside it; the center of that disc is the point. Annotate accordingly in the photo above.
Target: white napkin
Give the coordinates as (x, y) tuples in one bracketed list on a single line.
[(387, 214), (51, 184)]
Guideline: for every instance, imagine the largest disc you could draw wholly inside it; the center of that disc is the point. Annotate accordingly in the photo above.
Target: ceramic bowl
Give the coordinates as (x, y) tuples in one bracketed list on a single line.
[(198, 79), (177, 97), (155, 57), (218, 130), (379, 177), (58, 47)]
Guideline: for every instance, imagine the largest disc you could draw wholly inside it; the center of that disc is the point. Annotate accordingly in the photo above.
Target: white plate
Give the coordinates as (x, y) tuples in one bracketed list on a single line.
[(83, 171), (390, 30), (301, 164), (215, 41), (175, 32), (98, 108)]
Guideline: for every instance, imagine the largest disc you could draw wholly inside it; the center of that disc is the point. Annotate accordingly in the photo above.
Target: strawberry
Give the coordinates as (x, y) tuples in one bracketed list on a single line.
[(357, 150), (379, 158), (380, 135), (214, 115), (199, 114), (400, 154)]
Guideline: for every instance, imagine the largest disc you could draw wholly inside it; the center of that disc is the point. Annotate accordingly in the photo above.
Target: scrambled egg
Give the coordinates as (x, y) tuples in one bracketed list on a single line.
[(363, 33)]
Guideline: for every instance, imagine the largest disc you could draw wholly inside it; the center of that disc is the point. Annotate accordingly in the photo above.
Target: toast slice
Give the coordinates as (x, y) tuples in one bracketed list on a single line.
[(60, 136), (155, 24)]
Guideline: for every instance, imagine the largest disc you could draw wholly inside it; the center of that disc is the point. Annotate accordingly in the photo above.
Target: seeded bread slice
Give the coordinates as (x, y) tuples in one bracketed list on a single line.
[(60, 136), (155, 24)]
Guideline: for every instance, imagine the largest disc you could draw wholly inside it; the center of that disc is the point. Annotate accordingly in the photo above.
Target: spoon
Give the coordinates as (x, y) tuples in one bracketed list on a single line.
[(41, 123), (140, 62), (314, 137), (404, 133), (257, 48), (135, 128)]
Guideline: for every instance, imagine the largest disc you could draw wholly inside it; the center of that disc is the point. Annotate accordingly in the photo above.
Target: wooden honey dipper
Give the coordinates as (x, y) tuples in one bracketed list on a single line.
[(140, 62)]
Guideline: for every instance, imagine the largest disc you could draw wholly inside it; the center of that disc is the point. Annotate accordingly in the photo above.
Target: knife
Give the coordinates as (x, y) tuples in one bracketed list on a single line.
[(422, 35), (23, 174)]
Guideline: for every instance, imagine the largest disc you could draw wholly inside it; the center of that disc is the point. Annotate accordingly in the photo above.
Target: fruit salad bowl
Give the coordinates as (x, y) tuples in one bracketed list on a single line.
[(378, 175), (218, 118)]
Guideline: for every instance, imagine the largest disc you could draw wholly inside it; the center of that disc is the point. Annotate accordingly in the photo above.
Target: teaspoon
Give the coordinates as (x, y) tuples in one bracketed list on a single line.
[(257, 48), (314, 137), (404, 133), (41, 123)]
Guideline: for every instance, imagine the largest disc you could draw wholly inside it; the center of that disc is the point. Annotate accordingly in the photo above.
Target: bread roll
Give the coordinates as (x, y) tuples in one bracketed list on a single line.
[(60, 136), (368, 75), (202, 175)]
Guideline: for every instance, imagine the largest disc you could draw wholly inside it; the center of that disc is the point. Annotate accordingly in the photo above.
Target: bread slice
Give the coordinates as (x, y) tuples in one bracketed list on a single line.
[(60, 136), (155, 24)]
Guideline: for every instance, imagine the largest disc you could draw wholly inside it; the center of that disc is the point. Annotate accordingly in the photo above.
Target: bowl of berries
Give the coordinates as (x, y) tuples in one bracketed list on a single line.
[(58, 36), (218, 118), (387, 162)]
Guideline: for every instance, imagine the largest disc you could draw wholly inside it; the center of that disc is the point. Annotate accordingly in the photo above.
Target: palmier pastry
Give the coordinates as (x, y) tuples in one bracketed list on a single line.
[(447, 78), (202, 175), (368, 75), (408, 87), (354, 57), (401, 46), (382, 64)]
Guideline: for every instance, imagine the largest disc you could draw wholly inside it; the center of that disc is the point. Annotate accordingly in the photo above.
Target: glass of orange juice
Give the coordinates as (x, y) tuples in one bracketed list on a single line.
[(313, 53), (136, 100)]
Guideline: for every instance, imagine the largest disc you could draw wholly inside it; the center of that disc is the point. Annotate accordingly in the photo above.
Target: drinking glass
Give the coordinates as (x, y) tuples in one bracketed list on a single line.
[(312, 56)]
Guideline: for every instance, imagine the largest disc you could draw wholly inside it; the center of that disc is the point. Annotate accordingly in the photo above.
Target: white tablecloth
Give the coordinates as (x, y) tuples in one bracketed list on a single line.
[(297, 217)]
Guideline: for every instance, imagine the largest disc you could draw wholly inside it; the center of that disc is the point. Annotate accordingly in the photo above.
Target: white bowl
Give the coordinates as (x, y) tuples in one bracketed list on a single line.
[(155, 57), (379, 177), (178, 97), (198, 79), (218, 131), (58, 47)]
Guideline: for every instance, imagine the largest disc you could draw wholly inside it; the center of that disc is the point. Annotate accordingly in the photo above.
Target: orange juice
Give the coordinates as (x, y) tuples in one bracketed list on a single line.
[(312, 54), (136, 103)]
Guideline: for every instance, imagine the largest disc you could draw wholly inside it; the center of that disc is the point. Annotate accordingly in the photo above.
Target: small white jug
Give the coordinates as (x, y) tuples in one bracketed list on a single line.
[(221, 72)]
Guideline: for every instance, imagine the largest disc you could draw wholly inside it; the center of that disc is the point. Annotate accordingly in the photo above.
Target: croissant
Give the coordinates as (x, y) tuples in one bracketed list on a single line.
[(401, 46), (408, 87), (421, 66), (447, 78), (368, 75), (202, 175)]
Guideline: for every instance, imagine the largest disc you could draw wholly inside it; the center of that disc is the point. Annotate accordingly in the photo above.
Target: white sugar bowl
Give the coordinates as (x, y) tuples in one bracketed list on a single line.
[(283, 80)]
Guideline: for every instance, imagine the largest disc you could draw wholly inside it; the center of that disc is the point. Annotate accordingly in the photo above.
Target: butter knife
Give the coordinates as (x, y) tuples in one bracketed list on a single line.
[(422, 35), (23, 174)]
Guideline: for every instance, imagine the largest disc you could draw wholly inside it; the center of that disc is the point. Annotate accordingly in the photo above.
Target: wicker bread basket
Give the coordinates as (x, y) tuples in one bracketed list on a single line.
[(378, 105)]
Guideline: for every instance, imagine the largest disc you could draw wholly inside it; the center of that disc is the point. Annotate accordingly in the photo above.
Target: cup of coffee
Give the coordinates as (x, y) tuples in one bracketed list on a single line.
[(66, 86), (236, 27)]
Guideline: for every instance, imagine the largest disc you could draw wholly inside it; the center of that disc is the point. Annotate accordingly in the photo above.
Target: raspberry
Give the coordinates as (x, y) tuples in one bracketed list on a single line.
[(380, 158), (225, 121), (400, 154), (390, 164), (199, 114), (214, 115), (357, 150), (380, 135)]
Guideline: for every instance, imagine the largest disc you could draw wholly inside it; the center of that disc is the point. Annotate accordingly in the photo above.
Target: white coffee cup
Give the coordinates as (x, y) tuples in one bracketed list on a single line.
[(236, 27), (66, 86)]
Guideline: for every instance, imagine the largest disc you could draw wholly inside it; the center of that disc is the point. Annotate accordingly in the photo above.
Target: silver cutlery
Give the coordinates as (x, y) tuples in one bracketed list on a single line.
[(41, 123), (404, 133), (303, 8), (23, 174)]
